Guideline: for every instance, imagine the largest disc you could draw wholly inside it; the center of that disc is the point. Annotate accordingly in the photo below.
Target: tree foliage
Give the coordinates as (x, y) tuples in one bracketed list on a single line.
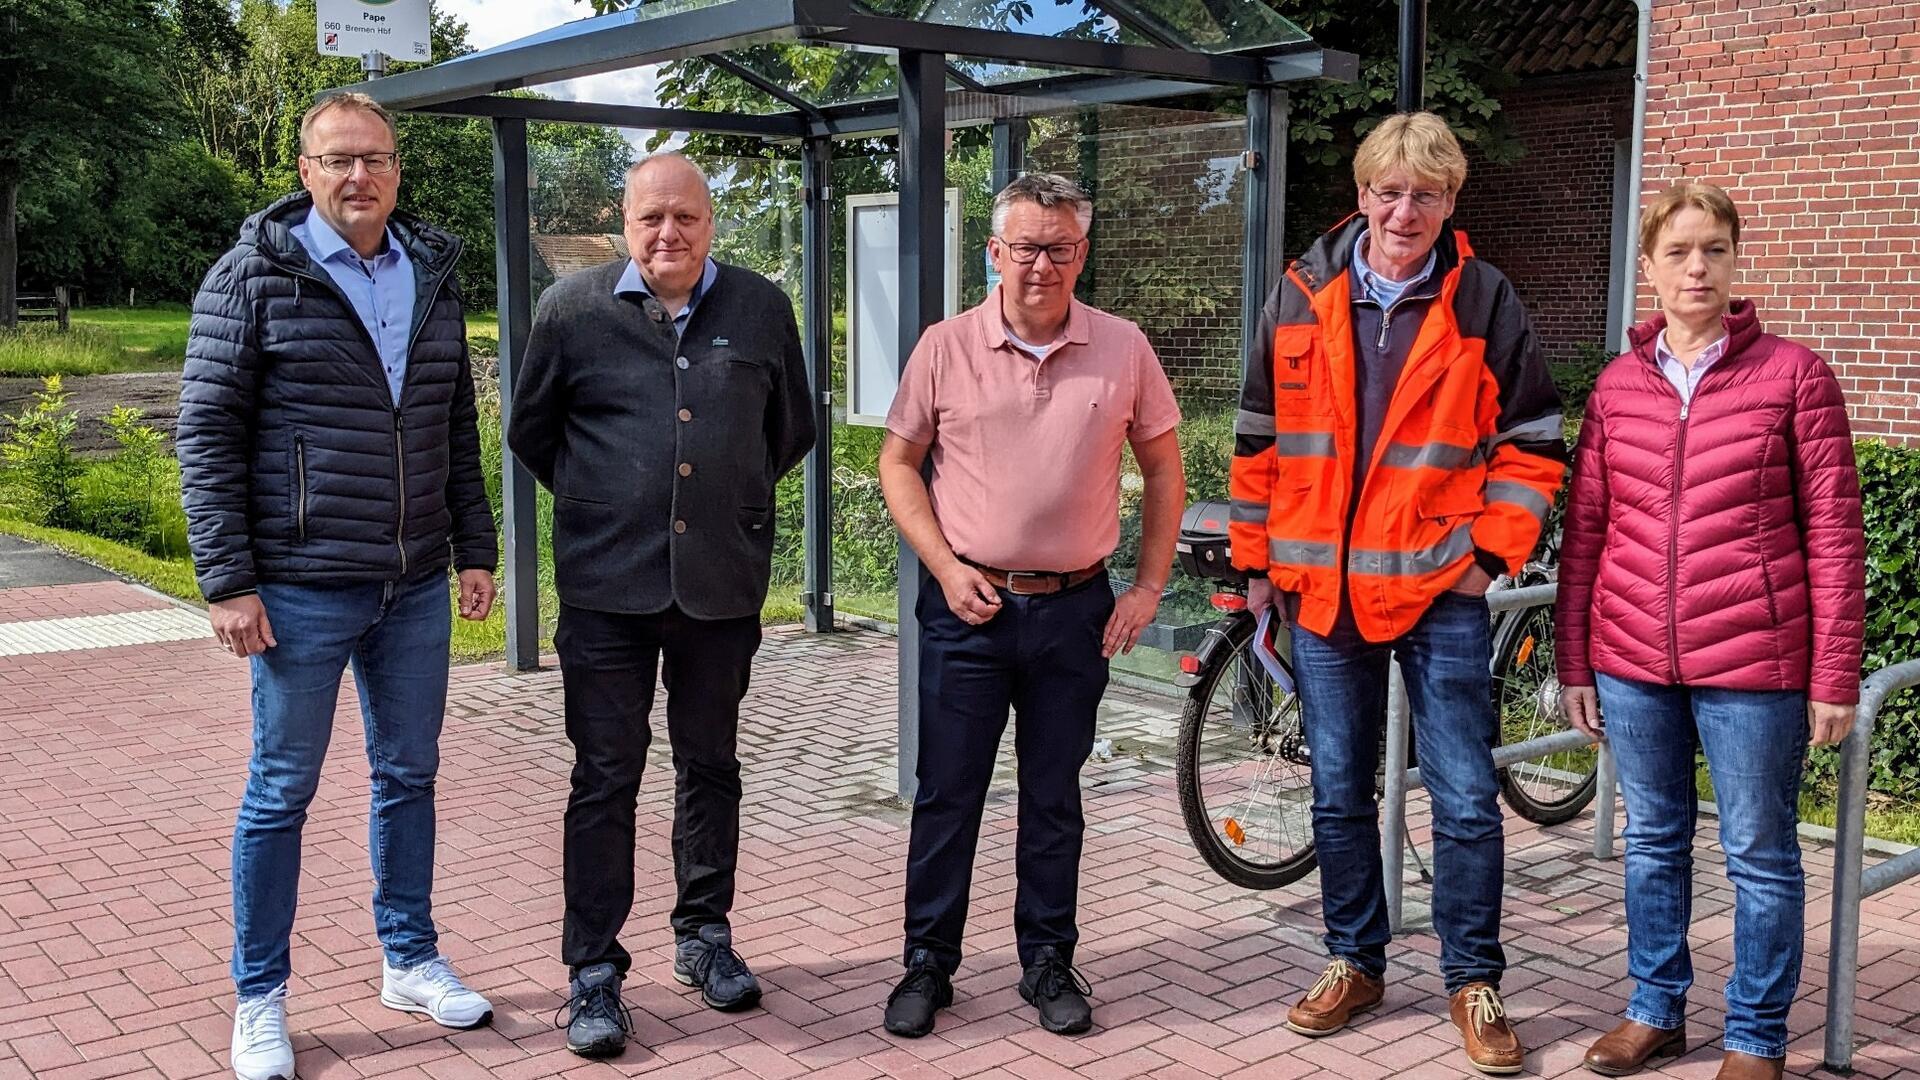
[(80, 80), (141, 148)]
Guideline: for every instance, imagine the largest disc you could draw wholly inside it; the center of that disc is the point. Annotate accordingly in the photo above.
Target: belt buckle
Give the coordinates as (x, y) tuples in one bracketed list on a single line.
[(1014, 576)]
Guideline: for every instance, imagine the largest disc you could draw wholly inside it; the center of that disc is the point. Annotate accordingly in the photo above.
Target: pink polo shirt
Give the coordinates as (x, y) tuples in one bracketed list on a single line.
[(1025, 452)]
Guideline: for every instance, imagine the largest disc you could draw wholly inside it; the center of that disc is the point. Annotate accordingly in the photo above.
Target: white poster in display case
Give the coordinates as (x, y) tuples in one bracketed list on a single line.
[(873, 299)]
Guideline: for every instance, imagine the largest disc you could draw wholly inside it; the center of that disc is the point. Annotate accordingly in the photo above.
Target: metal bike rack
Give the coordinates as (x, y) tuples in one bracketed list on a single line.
[(1401, 779), (1852, 880)]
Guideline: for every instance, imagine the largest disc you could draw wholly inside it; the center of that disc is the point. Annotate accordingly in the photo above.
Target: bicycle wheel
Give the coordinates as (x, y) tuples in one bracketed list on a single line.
[(1246, 788), (1549, 790)]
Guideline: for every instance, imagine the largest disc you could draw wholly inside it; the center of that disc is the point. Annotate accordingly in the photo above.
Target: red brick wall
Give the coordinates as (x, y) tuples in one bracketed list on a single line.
[(1810, 115), (1546, 220)]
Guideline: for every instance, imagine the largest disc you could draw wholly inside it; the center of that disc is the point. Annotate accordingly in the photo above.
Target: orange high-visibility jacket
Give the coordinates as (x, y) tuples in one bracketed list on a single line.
[(1466, 467)]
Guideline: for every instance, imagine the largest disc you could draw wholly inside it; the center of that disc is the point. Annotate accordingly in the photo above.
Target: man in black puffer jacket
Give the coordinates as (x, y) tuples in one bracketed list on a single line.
[(330, 467)]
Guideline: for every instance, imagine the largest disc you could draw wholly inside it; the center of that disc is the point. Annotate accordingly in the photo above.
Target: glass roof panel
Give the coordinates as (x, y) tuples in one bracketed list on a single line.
[(639, 13), (1217, 26), (1082, 20), (1201, 25), (822, 75)]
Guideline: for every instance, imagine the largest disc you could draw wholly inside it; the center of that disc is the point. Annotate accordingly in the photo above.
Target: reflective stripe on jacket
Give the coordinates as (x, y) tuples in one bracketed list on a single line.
[(1468, 461)]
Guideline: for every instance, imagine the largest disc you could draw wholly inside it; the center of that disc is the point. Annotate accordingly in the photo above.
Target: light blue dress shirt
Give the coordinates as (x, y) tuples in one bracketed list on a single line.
[(631, 282), (1686, 379), (380, 289), (1379, 289)]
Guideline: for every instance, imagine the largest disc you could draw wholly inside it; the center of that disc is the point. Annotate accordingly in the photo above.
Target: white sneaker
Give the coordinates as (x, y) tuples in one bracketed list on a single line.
[(433, 990), (261, 1050)]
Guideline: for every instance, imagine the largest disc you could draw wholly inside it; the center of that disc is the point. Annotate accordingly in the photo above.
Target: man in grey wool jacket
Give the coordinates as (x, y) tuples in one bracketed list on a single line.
[(660, 400)]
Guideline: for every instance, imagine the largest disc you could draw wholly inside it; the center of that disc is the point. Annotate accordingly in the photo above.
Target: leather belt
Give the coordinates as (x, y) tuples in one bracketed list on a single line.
[(1037, 582)]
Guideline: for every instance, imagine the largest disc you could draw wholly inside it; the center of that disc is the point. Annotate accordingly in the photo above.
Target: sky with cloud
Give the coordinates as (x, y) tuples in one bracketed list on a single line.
[(496, 22)]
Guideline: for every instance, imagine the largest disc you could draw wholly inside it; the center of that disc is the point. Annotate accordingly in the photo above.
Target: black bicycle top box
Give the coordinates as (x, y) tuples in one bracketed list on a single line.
[(1202, 548)]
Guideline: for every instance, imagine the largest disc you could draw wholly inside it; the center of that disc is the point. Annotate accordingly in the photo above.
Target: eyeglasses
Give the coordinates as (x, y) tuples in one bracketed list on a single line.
[(1057, 254), (1425, 200), (341, 164)]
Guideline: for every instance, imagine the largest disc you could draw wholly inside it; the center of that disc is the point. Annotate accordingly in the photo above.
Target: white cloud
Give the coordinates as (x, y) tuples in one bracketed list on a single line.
[(496, 22)]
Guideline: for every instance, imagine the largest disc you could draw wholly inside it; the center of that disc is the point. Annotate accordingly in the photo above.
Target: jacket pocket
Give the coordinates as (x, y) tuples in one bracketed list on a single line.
[(754, 518), (300, 489), (1460, 495), (1294, 367)]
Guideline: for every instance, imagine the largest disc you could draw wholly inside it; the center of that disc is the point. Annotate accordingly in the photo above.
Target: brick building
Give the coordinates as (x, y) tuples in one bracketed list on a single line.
[(1808, 113)]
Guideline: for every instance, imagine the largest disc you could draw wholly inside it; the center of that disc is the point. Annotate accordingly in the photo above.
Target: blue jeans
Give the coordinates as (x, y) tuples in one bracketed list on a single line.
[(1343, 705), (1755, 741), (395, 635)]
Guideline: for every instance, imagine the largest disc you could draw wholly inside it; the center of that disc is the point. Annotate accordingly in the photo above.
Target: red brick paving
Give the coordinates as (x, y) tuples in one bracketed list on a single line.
[(122, 768)]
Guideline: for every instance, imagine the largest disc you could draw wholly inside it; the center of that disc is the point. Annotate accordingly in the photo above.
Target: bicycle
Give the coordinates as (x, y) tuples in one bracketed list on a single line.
[(1243, 770)]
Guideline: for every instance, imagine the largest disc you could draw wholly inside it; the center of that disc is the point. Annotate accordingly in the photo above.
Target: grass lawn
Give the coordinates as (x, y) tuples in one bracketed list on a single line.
[(107, 340)]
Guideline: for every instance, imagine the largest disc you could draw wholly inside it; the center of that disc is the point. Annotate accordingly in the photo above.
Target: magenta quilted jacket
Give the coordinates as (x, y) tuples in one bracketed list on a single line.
[(1717, 544)]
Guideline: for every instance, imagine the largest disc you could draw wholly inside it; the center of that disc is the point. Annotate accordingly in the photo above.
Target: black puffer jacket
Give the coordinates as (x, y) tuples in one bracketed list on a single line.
[(296, 464)]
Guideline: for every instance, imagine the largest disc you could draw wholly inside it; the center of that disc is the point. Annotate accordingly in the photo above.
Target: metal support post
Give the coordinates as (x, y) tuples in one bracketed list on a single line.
[(1393, 803), (816, 173), (513, 258), (1413, 55), (1262, 252), (1009, 150), (923, 197), (1606, 782)]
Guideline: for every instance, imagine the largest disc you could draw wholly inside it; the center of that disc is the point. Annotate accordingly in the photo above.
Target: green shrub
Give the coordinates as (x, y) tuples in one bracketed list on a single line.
[(133, 497), (41, 483), (1576, 377), (1890, 497)]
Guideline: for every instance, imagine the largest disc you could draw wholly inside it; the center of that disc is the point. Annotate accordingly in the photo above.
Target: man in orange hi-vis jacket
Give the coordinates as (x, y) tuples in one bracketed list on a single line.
[(1398, 446)]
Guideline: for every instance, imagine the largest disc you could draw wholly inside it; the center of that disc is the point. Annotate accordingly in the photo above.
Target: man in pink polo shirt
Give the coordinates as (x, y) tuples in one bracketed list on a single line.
[(1023, 405)]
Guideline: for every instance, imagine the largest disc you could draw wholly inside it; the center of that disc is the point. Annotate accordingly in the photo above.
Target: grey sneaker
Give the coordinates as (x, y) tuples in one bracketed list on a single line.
[(597, 1023), (709, 962)]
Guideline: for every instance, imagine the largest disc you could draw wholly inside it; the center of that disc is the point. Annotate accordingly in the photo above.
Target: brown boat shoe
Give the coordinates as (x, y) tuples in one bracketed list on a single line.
[(1343, 990), (1491, 1044)]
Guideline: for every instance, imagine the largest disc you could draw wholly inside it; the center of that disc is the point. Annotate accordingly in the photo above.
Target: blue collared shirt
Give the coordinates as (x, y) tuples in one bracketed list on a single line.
[(631, 282), (380, 289), (1378, 289)]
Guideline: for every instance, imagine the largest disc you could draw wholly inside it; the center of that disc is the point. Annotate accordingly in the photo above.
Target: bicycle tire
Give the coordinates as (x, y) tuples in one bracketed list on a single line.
[(1209, 841), (1518, 643)]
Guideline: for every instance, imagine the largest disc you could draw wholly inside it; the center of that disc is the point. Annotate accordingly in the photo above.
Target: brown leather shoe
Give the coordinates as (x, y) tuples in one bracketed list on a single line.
[(1492, 1046), (1625, 1049), (1738, 1066), (1342, 991)]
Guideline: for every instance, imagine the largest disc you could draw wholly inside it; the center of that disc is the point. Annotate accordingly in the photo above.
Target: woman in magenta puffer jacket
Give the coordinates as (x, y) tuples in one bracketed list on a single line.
[(1711, 594)]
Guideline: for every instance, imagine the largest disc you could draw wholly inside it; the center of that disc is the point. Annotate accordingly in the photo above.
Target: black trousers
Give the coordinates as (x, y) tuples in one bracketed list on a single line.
[(1040, 656), (608, 663)]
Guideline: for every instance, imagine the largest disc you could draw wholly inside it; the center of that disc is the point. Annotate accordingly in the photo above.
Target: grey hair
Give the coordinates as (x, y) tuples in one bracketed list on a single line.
[(1045, 190), (634, 170)]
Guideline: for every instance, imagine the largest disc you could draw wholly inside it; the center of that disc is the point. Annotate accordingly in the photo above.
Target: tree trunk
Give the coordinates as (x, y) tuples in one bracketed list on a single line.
[(9, 250)]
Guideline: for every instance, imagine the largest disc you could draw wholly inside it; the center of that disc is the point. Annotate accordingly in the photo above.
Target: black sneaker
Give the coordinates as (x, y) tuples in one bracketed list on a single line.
[(709, 962), (597, 1023), (923, 990), (1058, 991)]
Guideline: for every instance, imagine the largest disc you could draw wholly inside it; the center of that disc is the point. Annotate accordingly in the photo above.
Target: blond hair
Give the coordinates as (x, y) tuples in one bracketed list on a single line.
[(1695, 194), (1419, 142), (348, 100)]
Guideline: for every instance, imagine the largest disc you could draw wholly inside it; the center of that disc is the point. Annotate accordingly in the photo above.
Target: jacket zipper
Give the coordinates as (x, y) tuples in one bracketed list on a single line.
[(422, 311), (400, 470), (300, 465), (1673, 541)]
